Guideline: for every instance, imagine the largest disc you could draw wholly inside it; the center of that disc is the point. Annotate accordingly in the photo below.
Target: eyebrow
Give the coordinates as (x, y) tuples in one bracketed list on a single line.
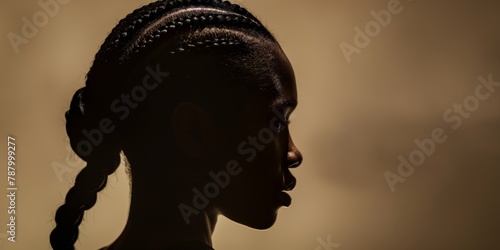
[(286, 104)]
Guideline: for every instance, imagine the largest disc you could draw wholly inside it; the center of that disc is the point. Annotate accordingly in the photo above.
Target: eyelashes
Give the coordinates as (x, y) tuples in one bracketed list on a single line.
[(283, 125), (282, 119)]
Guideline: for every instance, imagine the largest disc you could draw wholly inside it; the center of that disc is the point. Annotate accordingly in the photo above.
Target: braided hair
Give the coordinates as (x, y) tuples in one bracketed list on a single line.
[(178, 27)]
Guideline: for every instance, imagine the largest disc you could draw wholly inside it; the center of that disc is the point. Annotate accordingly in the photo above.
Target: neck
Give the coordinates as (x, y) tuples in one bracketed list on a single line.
[(155, 222)]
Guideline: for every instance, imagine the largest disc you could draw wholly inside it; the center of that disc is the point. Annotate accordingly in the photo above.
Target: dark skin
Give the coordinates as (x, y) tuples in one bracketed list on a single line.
[(252, 196)]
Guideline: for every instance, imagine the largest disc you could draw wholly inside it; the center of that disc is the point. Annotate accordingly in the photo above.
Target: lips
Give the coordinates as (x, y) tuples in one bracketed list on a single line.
[(285, 198), (290, 185)]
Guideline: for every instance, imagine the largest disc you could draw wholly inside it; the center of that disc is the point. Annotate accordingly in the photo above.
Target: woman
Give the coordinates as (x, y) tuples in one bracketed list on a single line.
[(197, 95)]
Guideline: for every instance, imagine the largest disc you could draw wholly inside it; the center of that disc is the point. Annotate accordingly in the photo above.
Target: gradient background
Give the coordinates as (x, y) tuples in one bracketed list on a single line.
[(353, 121)]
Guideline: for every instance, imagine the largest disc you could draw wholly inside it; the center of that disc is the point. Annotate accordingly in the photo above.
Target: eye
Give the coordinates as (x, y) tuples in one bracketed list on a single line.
[(282, 117), (283, 125)]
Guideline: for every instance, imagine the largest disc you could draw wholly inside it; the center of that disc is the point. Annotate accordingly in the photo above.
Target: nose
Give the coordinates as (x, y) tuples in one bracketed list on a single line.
[(294, 156)]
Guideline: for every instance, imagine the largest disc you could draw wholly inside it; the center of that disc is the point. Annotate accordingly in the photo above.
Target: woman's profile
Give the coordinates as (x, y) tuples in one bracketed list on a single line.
[(196, 94)]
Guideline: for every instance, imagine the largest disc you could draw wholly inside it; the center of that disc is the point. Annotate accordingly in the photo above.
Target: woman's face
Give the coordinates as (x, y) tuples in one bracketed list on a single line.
[(260, 154)]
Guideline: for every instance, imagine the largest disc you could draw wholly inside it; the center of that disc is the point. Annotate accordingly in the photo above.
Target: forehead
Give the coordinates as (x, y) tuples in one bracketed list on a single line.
[(283, 80)]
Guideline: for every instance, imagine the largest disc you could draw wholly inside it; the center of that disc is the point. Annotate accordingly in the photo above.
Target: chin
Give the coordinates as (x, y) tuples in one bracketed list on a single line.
[(259, 221), (263, 225)]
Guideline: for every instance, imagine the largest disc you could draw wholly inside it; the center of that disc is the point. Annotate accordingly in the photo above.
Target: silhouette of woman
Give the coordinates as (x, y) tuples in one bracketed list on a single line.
[(197, 95)]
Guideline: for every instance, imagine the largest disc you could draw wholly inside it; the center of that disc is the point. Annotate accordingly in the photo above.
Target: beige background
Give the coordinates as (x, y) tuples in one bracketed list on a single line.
[(353, 121)]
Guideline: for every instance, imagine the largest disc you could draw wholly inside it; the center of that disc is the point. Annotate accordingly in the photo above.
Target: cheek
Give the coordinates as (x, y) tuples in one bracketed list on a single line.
[(260, 152), (264, 171), (254, 190), (270, 158)]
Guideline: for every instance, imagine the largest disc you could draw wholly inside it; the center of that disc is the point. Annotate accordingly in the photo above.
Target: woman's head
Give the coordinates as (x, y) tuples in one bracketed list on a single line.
[(196, 93)]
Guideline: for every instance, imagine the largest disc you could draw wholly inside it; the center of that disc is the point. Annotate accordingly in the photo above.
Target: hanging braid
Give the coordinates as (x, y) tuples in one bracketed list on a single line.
[(91, 179), (139, 31)]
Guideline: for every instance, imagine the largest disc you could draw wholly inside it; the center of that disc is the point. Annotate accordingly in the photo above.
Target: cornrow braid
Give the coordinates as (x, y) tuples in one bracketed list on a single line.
[(140, 30), (126, 30), (193, 21)]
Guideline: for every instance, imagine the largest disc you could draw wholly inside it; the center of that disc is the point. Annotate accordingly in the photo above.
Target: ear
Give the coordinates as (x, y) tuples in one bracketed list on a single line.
[(190, 126)]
